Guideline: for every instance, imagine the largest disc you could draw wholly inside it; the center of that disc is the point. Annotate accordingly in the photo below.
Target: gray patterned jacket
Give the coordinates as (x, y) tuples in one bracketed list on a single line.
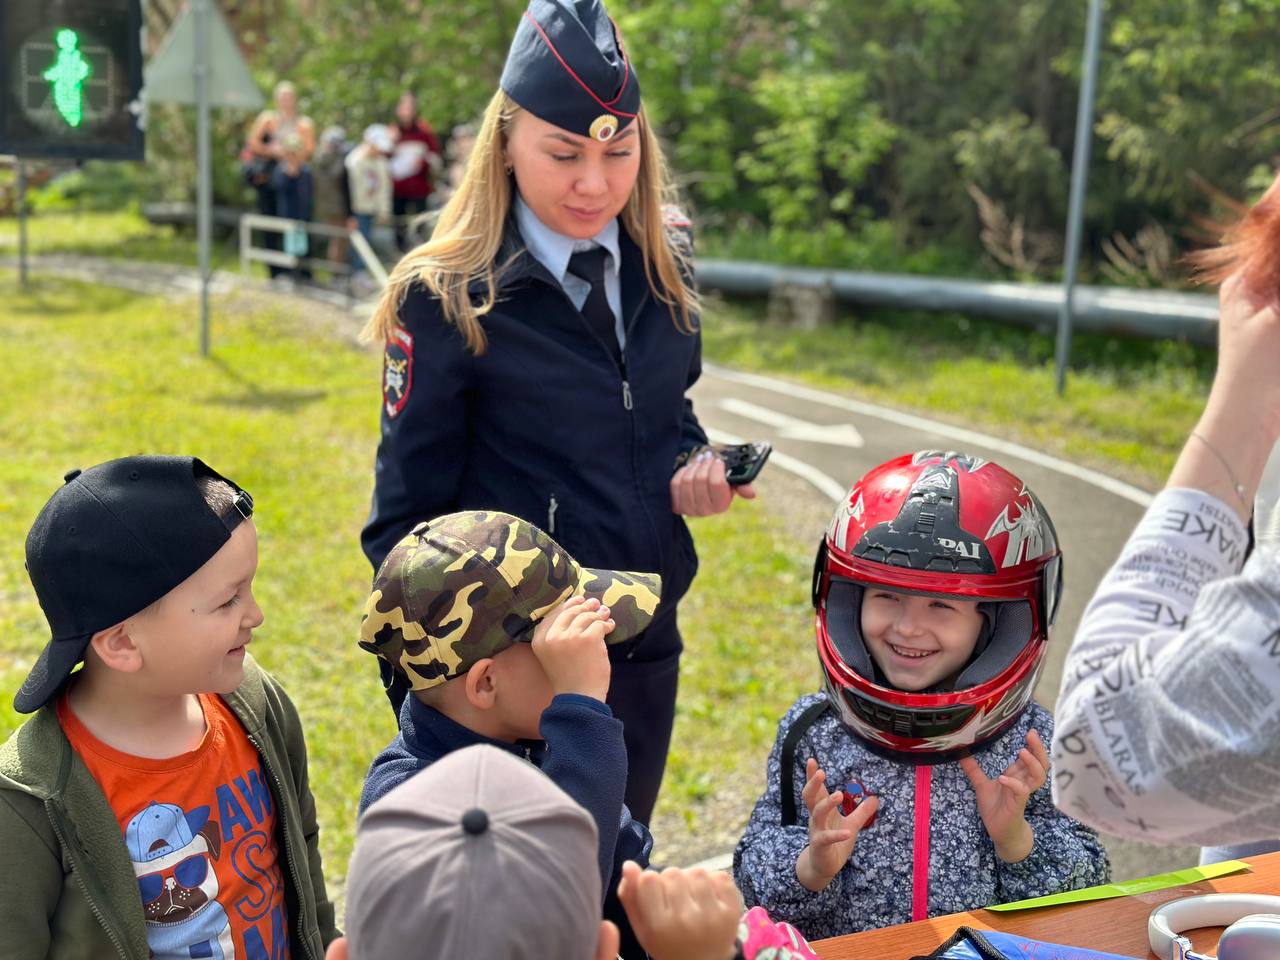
[(875, 888), (1170, 701)]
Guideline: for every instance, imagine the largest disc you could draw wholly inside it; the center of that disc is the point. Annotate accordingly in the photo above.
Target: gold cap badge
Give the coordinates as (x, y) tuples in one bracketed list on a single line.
[(604, 127)]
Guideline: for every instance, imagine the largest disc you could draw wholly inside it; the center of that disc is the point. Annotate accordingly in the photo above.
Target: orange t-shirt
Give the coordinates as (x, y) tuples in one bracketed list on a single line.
[(201, 832)]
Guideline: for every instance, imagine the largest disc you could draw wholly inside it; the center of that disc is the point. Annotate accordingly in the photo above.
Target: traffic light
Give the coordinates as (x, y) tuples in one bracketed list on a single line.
[(71, 78)]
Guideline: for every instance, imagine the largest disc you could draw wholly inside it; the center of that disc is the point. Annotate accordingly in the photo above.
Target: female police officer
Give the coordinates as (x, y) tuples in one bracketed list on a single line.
[(539, 346)]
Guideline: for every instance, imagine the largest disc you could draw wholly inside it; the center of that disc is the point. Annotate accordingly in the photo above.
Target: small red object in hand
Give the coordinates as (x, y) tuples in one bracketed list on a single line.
[(854, 794)]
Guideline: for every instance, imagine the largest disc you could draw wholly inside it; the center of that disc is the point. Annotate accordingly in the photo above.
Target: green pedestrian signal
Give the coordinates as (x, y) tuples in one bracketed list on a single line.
[(71, 79), (67, 75)]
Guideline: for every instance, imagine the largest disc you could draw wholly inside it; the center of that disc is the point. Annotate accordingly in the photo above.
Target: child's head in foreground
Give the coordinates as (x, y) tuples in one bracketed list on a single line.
[(935, 586), (144, 568), (478, 855), (457, 605)]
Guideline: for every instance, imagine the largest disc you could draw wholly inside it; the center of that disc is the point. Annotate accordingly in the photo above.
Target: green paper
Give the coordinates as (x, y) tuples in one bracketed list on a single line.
[(1106, 891)]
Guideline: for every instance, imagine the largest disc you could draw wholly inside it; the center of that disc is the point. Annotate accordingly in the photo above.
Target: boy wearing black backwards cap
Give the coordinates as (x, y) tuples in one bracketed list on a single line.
[(157, 803), (500, 636)]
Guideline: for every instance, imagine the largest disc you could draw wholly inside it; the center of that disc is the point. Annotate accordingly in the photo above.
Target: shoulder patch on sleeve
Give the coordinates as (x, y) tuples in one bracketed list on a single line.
[(397, 371)]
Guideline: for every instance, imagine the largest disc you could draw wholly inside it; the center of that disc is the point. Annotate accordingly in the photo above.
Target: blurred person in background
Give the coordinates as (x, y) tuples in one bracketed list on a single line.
[(414, 162), (461, 140), (332, 189), (288, 138), (369, 177)]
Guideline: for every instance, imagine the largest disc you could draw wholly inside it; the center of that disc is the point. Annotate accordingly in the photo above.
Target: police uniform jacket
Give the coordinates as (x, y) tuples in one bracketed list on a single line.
[(546, 425)]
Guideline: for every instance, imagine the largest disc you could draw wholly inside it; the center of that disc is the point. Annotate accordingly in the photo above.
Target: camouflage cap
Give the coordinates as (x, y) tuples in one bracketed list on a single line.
[(466, 586)]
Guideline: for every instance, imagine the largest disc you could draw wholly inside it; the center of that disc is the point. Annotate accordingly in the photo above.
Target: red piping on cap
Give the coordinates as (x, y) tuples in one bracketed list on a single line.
[(556, 53), (626, 65)]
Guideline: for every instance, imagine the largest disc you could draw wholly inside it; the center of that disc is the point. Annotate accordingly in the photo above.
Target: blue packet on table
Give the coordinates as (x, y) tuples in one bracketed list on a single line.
[(970, 944)]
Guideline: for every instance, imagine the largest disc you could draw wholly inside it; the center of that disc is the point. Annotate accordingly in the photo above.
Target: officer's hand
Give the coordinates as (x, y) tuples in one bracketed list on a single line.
[(699, 488), (832, 835), (681, 914), (569, 643)]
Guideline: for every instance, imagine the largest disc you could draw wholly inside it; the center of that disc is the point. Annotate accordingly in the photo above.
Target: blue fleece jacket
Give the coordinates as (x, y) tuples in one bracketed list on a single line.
[(581, 751)]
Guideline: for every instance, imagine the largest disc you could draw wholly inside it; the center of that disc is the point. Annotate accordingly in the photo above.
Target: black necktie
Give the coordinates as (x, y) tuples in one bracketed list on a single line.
[(588, 266)]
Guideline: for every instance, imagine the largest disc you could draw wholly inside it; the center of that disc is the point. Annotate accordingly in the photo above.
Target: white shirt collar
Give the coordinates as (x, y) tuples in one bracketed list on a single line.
[(553, 249)]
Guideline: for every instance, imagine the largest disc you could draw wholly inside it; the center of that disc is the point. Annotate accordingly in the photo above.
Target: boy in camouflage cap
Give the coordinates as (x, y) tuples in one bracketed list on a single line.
[(466, 586), (501, 636)]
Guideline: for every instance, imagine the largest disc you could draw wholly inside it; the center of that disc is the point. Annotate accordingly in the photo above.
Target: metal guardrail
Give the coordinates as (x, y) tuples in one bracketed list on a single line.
[(181, 213), (282, 225), (1150, 314), (1153, 314)]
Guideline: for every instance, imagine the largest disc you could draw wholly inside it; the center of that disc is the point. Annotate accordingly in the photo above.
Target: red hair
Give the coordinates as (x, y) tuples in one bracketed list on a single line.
[(1251, 248)]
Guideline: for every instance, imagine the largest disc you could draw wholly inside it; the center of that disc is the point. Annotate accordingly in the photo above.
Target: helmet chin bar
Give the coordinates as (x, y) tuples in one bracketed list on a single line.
[(918, 724)]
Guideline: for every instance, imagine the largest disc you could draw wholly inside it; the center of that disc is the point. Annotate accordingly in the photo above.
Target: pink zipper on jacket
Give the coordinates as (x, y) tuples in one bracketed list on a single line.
[(920, 851)]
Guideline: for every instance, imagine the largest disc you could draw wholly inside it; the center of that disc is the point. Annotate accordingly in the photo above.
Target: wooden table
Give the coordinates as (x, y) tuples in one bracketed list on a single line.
[(1118, 925)]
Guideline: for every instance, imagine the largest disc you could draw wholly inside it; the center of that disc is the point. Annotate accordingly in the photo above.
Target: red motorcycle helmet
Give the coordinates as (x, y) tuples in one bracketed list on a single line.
[(938, 523)]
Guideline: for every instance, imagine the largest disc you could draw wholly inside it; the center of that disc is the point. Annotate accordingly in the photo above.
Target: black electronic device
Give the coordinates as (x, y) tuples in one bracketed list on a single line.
[(71, 79), (743, 461)]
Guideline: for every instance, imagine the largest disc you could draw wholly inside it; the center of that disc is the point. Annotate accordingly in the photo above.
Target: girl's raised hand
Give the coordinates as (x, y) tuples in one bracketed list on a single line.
[(1002, 802), (832, 835)]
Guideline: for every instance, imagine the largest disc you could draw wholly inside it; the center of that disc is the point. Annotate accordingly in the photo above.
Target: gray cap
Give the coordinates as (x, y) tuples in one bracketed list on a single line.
[(478, 855)]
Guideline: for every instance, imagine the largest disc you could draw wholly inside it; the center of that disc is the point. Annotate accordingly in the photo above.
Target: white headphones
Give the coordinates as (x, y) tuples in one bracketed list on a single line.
[(1253, 932)]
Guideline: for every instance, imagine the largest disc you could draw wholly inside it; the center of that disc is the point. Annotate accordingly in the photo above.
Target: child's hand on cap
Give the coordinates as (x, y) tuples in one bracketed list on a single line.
[(682, 914), (832, 835), (569, 643), (1002, 802)]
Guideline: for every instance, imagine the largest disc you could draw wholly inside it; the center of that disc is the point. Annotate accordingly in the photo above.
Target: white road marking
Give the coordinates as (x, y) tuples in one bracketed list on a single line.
[(1119, 488), (838, 434)]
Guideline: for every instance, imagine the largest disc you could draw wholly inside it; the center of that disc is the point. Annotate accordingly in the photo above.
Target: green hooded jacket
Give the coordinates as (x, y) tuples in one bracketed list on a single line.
[(67, 886)]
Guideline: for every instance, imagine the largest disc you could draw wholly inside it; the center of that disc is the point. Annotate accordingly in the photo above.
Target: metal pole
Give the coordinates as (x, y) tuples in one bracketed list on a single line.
[(1079, 180), (204, 186), (21, 174)]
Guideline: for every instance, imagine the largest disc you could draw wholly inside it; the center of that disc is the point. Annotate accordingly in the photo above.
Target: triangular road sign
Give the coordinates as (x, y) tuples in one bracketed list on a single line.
[(170, 76)]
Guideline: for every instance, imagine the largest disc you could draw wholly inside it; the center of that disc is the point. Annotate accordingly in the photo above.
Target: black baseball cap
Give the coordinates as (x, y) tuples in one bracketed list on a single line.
[(110, 542), (567, 66)]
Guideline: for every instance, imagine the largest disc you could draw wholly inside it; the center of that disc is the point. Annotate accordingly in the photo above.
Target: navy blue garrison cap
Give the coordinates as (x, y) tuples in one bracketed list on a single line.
[(567, 67)]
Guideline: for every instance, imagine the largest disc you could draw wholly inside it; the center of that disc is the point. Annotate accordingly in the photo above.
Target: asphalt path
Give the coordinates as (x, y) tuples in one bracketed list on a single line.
[(830, 441)]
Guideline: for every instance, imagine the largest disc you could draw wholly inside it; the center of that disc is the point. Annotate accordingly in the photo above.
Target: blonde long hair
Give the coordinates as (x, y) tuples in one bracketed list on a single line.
[(465, 243)]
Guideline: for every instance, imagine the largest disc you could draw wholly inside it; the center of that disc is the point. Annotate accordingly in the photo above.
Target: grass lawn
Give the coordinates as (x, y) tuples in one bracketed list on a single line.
[(289, 409), (124, 235)]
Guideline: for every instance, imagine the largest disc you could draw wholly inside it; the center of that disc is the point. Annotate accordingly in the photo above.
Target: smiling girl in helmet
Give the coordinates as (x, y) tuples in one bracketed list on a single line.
[(915, 784)]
